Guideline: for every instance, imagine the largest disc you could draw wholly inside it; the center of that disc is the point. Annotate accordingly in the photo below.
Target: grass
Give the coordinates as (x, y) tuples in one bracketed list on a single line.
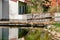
[(38, 34)]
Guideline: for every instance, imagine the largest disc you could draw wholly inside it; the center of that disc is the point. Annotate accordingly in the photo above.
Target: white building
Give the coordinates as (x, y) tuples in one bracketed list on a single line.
[(9, 9), (13, 10)]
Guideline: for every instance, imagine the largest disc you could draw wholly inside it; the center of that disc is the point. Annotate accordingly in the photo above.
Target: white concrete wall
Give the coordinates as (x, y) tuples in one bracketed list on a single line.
[(13, 33), (29, 16), (13, 11), (0, 9), (57, 16), (22, 0)]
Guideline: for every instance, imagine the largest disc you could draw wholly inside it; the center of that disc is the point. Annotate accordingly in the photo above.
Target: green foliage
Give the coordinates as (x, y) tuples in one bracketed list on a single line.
[(54, 9), (28, 9), (38, 34), (57, 24), (35, 6), (22, 32)]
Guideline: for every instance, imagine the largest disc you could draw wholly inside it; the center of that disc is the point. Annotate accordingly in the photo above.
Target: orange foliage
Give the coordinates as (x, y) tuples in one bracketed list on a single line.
[(53, 3)]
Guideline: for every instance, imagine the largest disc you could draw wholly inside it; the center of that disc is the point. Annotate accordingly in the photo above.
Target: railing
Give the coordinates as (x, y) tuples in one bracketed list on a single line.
[(32, 20), (39, 17)]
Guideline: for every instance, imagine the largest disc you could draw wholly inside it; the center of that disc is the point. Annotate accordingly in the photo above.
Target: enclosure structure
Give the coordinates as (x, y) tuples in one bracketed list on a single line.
[(15, 11), (9, 9)]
